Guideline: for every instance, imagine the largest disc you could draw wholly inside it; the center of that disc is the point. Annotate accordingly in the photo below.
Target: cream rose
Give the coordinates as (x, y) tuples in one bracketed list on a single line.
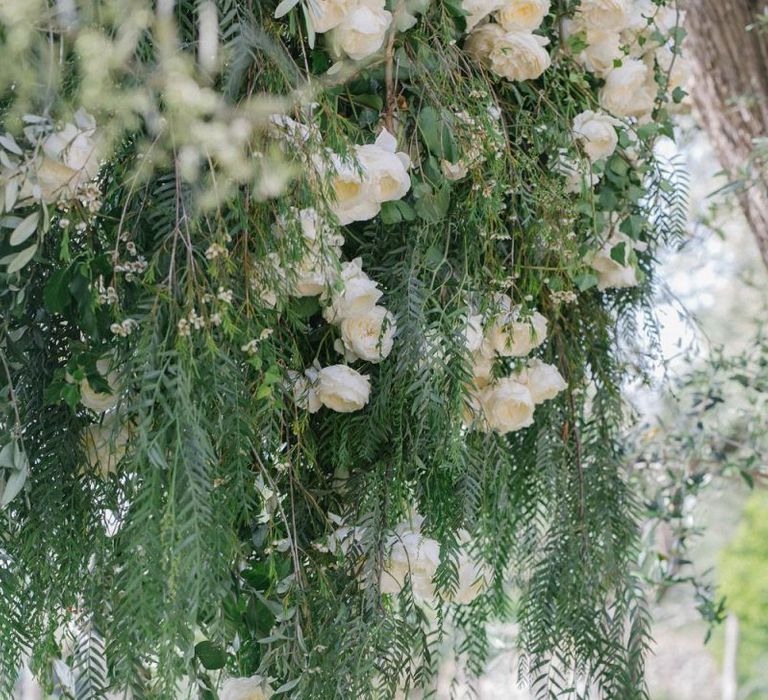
[(512, 55), (522, 15), (386, 170), (369, 336), (597, 134), (101, 401), (629, 90), (507, 406), (354, 199), (510, 337), (473, 333), (602, 51), (342, 389), (303, 389), (411, 554), (478, 10), (71, 158), (358, 294), (543, 381), (105, 446), (612, 273), (252, 688), (324, 15), (674, 66), (319, 264), (362, 31), (604, 15)]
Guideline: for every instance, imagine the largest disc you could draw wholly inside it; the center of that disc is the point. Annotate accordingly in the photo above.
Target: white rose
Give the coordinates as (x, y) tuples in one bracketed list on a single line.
[(358, 294), (612, 273), (362, 31), (597, 133), (105, 446), (543, 381), (471, 580), (478, 10), (385, 170), (101, 401), (507, 406), (320, 260), (509, 337), (354, 198), (629, 90), (411, 554), (324, 15), (604, 15), (512, 55), (303, 389), (71, 157), (674, 66), (453, 171), (253, 688), (601, 53), (370, 335), (522, 15), (342, 389), (473, 333), (406, 18)]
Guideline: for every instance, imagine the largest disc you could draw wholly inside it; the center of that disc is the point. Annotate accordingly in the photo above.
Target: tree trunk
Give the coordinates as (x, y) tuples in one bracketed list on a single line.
[(730, 69)]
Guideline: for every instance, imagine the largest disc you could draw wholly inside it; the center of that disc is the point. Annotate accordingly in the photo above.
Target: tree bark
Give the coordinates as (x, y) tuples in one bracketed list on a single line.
[(730, 69)]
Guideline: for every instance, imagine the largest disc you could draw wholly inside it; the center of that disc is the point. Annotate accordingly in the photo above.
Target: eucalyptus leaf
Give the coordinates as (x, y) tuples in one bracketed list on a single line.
[(25, 229), (22, 258), (285, 7), (15, 482)]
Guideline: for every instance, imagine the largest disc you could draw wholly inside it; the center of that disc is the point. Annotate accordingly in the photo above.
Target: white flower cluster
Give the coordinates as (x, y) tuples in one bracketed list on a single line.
[(60, 165), (106, 441), (616, 262), (622, 48), (508, 46), (358, 28), (507, 404), (367, 333), (348, 296), (411, 555)]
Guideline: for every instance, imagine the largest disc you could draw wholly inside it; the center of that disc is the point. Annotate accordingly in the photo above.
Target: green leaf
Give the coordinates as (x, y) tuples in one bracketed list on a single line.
[(25, 229), (13, 486), (6, 456), (22, 259), (585, 281), (211, 656), (619, 253), (56, 293), (435, 133), (285, 7), (390, 214)]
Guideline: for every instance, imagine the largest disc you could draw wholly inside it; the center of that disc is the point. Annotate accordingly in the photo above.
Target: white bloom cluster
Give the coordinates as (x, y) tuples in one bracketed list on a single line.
[(622, 49), (348, 296), (508, 46), (507, 404), (615, 262), (410, 554)]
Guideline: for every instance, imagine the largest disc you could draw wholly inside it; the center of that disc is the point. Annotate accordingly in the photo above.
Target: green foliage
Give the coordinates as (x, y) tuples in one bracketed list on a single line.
[(204, 550)]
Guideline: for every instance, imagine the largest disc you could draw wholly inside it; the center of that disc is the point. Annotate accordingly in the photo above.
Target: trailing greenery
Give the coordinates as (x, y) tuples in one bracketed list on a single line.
[(202, 551)]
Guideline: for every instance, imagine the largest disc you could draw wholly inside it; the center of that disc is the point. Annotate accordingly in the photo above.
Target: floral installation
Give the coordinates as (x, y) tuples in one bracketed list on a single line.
[(270, 262)]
